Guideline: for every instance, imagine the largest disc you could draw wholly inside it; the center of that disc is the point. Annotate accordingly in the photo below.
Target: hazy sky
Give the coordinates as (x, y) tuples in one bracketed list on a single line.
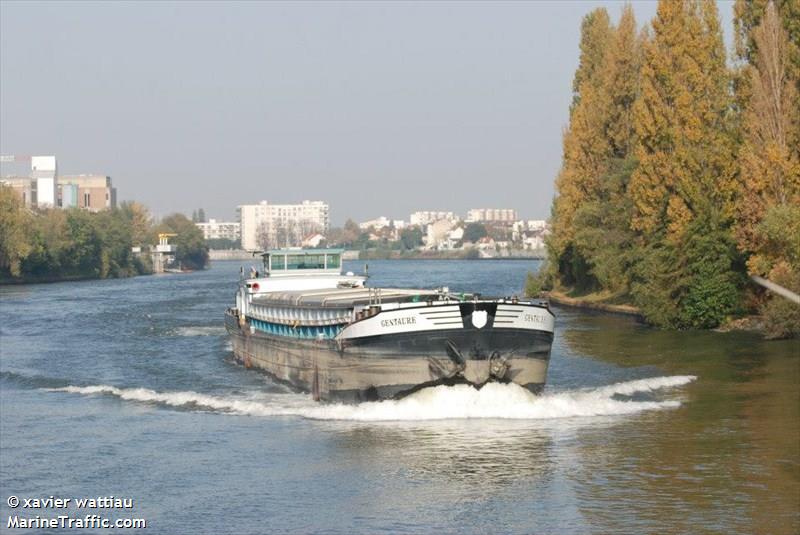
[(377, 108)]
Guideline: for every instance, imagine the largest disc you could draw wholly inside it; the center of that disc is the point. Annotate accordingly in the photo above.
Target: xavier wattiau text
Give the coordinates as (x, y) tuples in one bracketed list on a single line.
[(64, 520)]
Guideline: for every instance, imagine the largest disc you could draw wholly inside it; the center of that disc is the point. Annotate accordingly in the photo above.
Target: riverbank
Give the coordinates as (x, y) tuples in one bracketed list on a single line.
[(594, 302), (597, 302), (378, 254), (49, 279), (458, 254)]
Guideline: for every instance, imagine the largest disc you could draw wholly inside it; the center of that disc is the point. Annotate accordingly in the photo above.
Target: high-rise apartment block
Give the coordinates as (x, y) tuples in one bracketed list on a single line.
[(215, 230), (265, 225), (491, 215), (430, 216)]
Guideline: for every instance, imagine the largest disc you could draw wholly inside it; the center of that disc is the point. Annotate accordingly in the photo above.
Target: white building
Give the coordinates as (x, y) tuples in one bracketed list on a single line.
[(43, 172), (313, 240), (534, 242), (504, 215), (45, 189), (437, 233), (216, 230), (265, 225), (378, 223), (427, 217), (452, 239)]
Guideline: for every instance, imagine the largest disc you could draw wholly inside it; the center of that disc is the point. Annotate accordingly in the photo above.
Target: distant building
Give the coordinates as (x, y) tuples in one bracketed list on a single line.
[(312, 240), (377, 224), (94, 192), (43, 173), (452, 239), (437, 233), (68, 195), (266, 225), (533, 242), (23, 187), (427, 217), (220, 230), (44, 188), (491, 215)]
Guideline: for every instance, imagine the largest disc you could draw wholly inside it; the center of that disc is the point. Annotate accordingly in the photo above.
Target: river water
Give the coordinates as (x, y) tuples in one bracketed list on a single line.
[(127, 388)]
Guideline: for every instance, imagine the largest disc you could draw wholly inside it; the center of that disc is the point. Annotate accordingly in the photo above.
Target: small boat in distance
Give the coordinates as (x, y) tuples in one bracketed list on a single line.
[(319, 330)]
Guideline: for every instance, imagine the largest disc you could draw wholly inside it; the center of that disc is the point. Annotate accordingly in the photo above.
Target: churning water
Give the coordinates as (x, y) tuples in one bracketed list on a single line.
[(436, 403), (128, 388)]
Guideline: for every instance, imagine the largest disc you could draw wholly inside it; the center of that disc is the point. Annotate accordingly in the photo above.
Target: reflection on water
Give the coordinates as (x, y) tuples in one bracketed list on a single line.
[(728, 460), (474, 454)]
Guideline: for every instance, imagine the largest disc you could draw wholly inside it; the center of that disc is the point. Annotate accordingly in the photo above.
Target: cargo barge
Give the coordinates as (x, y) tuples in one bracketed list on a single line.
[(307, 324)]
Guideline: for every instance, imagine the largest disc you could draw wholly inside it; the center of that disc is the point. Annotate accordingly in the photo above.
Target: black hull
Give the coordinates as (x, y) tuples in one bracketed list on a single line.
[(394, 365)]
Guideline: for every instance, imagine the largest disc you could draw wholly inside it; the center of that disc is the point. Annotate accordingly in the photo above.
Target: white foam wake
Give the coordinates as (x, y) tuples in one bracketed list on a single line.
[(442, 402)]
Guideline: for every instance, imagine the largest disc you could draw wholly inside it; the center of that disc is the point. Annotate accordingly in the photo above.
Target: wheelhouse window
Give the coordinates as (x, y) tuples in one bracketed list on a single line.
[(334, 261), (277, 262), (303, 261)]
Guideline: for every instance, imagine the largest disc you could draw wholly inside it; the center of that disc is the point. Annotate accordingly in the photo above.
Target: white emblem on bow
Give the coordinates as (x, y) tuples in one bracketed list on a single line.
[(479, 318)]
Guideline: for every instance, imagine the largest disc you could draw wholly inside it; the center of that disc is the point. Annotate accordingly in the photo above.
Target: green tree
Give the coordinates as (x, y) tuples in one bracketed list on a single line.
[(191, 251), (603, 232), (411, 238), (474, 232), (14, 233), (691, 284)]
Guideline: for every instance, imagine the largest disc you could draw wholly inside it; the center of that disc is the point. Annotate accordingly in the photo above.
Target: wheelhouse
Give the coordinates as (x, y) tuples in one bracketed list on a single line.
[(279, 262)]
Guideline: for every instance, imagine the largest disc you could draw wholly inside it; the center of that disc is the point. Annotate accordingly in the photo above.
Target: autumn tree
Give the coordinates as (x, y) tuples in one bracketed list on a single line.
[(768, 215), (585, 147), (684, 189), (602, 222), (682, 120), (770, 154), (137, 216)]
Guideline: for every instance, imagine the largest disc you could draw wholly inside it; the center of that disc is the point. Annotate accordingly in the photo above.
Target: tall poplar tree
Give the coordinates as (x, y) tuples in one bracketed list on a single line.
[(768, 218), (684, 189), (682, 120), (585, 148), (770, 154), (602, 232)]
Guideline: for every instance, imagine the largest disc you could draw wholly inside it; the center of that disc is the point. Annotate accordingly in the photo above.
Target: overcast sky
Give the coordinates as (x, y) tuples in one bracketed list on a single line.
[(377, 108)]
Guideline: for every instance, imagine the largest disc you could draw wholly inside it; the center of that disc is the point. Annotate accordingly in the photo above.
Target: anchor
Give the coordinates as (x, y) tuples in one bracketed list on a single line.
[(457, 363), (455, 355), (498, 365)]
